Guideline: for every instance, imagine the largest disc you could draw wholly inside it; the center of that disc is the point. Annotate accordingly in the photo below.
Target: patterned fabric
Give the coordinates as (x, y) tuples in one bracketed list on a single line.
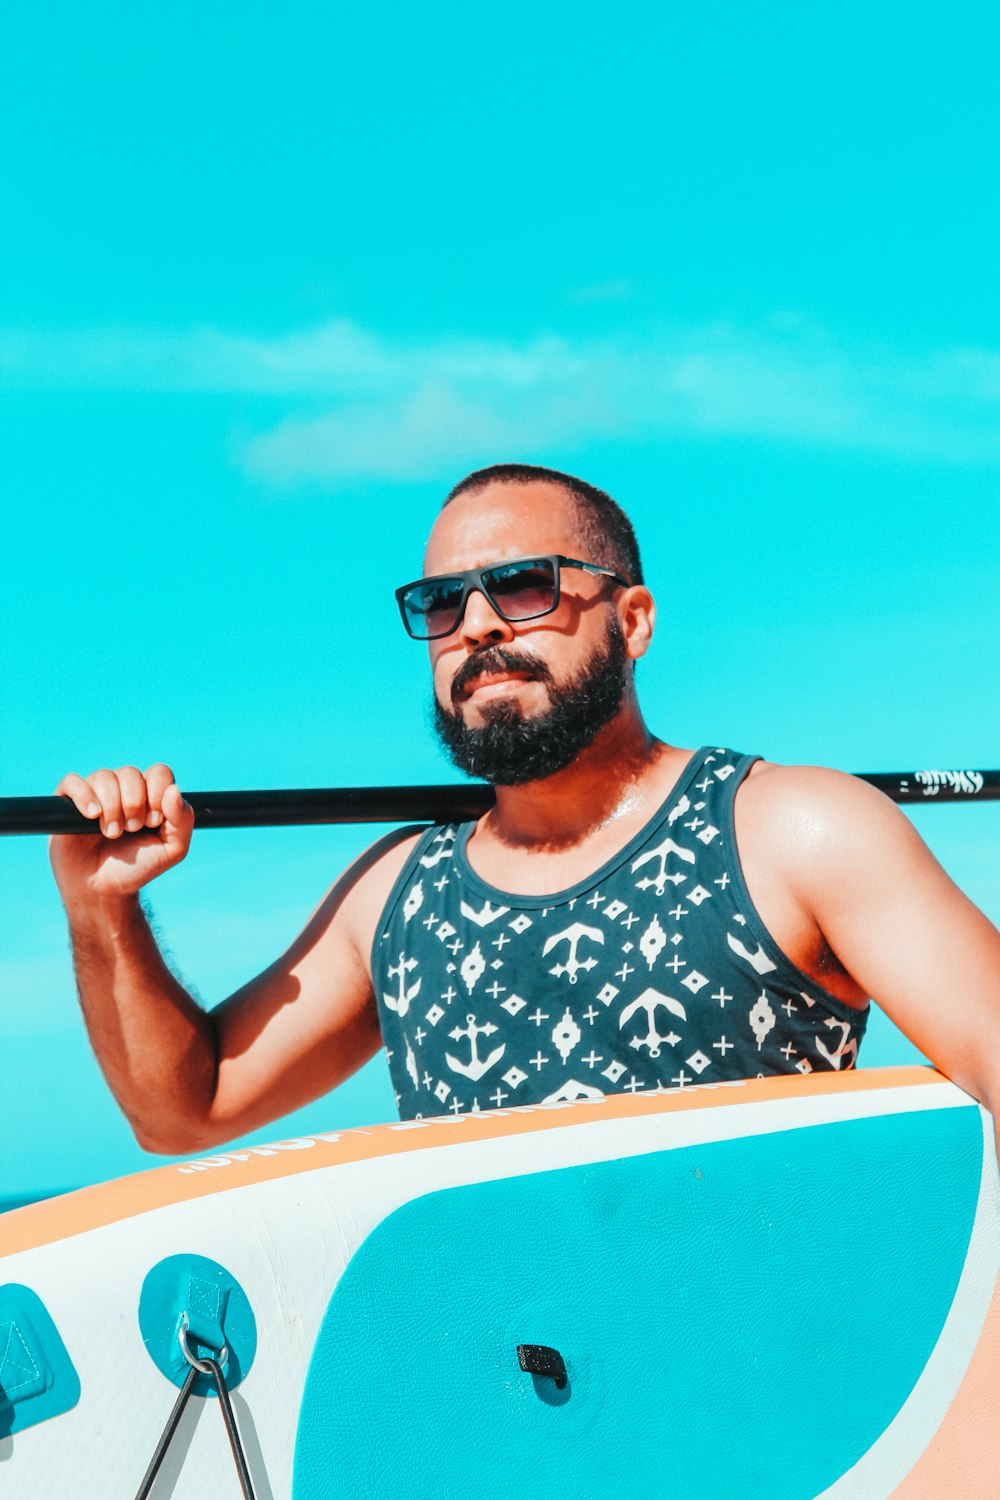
[(655, 972)]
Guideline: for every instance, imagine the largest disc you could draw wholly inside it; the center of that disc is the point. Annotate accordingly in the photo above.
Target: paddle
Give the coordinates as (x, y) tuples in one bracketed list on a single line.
[(421, 804)]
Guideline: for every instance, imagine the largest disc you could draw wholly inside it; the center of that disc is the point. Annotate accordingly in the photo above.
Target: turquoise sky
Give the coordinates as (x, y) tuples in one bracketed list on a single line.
[(271, 283)]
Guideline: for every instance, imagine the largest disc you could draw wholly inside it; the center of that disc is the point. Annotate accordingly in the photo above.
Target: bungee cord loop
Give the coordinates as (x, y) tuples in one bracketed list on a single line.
[(204, 1365)]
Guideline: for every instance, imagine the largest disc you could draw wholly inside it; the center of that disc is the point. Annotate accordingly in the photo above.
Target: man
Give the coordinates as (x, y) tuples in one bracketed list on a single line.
[(630, 915)]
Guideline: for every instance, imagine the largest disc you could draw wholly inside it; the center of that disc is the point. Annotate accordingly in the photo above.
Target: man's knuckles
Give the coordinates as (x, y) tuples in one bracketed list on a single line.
[(127, 800), (158, 778), (80, 793)]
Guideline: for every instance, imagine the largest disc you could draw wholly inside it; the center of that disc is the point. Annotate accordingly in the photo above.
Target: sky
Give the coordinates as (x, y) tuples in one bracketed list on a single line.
[(272, 282)]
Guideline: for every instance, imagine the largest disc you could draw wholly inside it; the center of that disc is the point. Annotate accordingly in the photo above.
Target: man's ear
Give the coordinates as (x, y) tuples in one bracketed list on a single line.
[(636, 611)]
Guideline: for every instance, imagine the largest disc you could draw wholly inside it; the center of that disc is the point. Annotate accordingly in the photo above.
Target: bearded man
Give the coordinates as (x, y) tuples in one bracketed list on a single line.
[(629, 915)]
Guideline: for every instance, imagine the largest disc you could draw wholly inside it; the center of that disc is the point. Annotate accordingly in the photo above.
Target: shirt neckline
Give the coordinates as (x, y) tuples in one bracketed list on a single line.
[(615, 862)]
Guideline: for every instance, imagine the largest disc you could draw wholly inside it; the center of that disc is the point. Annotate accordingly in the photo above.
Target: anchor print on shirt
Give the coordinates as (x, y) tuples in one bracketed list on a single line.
[(476, 1066), (650, 1002), (660, 879), (401, 1002), (488, 914), (572, 936)]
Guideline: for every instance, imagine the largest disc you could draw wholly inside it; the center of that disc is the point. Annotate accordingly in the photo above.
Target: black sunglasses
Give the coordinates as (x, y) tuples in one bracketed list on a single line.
[(522, 589)]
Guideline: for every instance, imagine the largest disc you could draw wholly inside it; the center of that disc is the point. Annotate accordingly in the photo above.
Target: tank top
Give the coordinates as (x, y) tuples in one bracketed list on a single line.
[(655, 972)]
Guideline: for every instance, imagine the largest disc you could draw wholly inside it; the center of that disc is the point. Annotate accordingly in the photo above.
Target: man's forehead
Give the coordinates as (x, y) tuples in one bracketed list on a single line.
[(502, 520)]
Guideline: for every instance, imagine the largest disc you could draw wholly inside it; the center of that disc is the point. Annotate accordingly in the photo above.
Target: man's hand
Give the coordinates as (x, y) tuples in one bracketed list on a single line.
[(145, 827)]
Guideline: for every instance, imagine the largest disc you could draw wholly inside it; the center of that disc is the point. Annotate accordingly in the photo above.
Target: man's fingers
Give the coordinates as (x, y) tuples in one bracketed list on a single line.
[(80, 793), (109, 795), (132, 790), (129, 801), (178, 816), (158, 778), (146, 806)]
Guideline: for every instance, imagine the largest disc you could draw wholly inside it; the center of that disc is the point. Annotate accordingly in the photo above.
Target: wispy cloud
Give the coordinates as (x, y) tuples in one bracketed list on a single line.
[(362, 405)]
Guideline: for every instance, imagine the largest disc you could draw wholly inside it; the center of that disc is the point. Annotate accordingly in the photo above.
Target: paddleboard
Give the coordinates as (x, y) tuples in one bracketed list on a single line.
[(777, 1289)]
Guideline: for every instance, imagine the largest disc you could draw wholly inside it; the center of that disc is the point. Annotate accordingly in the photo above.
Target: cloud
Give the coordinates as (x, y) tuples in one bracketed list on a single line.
[(361, 405), (425, 432)]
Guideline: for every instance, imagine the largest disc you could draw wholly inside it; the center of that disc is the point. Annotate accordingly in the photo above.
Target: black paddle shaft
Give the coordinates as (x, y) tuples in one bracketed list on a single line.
[(421, 804), (273, 809)]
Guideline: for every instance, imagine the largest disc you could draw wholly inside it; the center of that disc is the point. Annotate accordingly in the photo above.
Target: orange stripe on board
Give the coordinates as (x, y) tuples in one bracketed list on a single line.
[(126, 1197), (962, 1459)]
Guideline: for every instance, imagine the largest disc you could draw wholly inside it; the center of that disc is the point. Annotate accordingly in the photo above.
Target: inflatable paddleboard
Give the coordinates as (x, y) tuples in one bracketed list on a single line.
[(774, 1290)]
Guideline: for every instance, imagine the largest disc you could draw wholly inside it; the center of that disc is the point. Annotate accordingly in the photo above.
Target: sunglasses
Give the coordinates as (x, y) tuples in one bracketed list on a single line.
[(522, 589)]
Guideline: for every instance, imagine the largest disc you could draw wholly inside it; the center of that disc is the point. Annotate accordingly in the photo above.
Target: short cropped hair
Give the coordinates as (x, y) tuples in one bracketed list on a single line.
[(604, 527)]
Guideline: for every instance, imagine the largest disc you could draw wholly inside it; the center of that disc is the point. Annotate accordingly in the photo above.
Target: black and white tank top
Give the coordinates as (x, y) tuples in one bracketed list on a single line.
[(653, 973)]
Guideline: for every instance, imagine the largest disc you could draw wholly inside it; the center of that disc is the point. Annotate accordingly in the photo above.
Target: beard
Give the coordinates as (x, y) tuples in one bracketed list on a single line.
[(511, 750)]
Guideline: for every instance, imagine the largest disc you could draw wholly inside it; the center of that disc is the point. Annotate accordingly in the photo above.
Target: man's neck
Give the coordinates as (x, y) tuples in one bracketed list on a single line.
[(609, 781)]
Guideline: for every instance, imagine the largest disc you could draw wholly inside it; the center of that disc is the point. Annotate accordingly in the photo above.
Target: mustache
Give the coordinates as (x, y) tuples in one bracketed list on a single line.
[(497, 659)]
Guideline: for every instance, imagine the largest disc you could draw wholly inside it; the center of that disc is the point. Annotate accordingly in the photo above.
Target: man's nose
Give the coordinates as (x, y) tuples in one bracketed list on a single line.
[(481, 624)]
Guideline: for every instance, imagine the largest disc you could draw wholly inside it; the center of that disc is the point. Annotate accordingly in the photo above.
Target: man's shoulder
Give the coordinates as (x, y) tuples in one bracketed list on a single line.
[(815, 835), (379, 867), (804, 783), (812, 805)]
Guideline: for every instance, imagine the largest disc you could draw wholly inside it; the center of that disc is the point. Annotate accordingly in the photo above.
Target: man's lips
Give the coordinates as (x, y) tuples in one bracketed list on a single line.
[(495, 672), (495, 684)]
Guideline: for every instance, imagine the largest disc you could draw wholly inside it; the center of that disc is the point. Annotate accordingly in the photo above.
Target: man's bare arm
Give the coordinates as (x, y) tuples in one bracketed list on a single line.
[(186, 1078), (155, 1045), (897, 923)]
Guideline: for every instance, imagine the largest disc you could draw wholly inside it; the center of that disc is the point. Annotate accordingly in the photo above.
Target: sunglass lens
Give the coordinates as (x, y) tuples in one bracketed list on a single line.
[(432, 608), (523, 589)]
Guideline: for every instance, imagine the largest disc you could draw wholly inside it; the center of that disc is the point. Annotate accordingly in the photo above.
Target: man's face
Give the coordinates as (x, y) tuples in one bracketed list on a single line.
[(518, 701)]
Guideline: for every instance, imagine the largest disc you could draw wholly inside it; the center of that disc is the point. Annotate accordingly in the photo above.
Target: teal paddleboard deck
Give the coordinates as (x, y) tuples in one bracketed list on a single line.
[(739, 1318)]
